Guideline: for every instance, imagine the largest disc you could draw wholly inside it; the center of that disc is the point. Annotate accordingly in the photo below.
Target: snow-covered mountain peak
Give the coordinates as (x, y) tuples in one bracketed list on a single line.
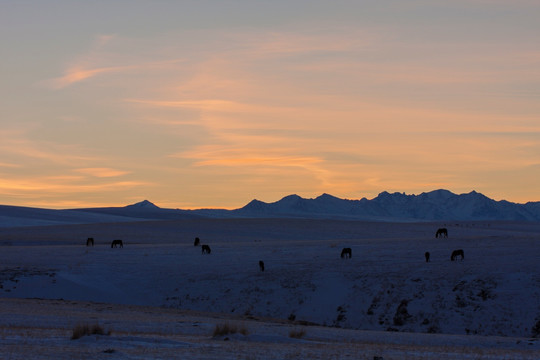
[(327, 197), (145, 204), (254, 205), (290, 198)]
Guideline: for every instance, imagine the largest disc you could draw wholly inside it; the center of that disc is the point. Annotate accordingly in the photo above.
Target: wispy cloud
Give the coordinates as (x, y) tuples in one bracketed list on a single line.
[(221, 156), (48, 184), (9, 165), (205, 104), (49, 152), (78, 74), (102, 172), (259, 160), (288, 43), (104, 57)]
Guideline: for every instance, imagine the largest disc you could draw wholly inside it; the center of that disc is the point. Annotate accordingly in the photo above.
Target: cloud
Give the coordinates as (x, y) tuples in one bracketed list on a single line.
[(233, 155), (205, 104), (213, 105), (61, 186), (9, 165), (48, 152), (222, 117), (259, 160), (252, 160), (288, 43), (77, 74), (102, 172)]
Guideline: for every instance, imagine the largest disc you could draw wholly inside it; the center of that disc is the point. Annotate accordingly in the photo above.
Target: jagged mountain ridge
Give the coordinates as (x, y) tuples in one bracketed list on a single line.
[(435, 205), (429, 206)]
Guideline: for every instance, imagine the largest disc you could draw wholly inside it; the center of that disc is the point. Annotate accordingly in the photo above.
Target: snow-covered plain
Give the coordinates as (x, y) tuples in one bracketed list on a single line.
[(162, 298)]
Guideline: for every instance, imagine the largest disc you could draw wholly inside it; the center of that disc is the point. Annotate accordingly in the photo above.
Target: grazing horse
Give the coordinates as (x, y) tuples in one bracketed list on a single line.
[(261, 265), (90, 242), (427, 256), (206, 249), (442, 232), (197, 241), (346, 252), (457, 253), (116, 243)]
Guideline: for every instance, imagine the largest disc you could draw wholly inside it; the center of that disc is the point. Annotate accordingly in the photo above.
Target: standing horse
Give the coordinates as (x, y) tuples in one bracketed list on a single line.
[(427, 256), (206, 249), (116, 243), (261, 265), (346, 253), (197, 241), (457, 253), (442, 232), (90, 242)]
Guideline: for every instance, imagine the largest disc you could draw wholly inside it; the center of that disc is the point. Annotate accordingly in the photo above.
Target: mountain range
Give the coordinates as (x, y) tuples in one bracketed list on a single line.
[(429, 206)]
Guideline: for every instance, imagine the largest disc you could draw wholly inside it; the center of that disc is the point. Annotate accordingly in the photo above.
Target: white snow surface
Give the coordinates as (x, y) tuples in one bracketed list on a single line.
[(384, 301)]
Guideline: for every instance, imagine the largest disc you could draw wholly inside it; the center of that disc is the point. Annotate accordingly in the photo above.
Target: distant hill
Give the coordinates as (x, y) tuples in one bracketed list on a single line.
[(14, 216), (428, 206), (144, 210), (11, 216)]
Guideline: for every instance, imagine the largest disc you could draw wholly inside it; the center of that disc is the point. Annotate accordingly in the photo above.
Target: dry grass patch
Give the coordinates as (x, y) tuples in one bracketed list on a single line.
[(85, 329), (297, 333), (228, 328)]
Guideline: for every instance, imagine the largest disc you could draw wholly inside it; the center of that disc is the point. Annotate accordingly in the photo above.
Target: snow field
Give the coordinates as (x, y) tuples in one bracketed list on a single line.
[(386, 287)]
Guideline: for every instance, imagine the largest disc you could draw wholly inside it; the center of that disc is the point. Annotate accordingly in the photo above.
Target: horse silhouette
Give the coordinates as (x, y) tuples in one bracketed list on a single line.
[(441, 232), (206, 249), (116, 243), (90, 242), (261, 265), (197, 241), (346, 252), (427, 256), (457, 253)]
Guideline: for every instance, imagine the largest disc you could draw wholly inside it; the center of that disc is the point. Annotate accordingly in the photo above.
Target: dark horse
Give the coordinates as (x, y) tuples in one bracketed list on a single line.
[(197, 241), (116, 243), (441, 232), (427, 256), (90, 242), (261, 265), (206, 249), (346, 252), (457, 253)]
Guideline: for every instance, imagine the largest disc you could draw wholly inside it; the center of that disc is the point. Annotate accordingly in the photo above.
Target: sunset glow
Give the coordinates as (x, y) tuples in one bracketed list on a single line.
[(212, 104)]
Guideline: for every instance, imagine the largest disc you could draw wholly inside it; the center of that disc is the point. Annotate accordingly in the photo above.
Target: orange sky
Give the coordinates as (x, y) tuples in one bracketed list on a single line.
[(211, 104)]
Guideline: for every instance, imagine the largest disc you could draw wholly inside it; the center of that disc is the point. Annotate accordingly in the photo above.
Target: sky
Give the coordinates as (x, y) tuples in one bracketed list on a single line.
[(197, 104)]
